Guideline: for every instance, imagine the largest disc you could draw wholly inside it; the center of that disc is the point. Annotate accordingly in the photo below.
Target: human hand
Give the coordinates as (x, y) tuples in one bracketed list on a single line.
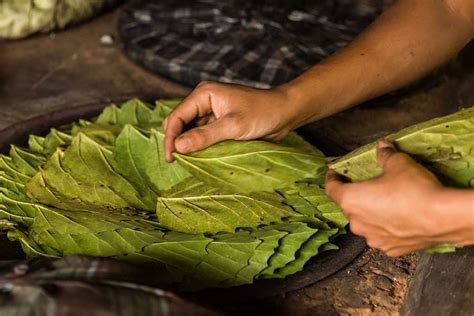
[(396, 212), (227, 111)]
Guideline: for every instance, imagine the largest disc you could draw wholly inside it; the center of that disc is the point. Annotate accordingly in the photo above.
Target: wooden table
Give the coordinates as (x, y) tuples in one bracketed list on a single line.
[(45, 73)]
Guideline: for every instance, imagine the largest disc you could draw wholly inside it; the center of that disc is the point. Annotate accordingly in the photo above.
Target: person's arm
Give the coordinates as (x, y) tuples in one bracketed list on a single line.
[(410, 39), (406, 208), (404, 44)]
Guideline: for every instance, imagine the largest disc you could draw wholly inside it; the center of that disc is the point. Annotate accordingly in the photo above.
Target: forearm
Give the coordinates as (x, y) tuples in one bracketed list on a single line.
[(405, 43), (453, 210)]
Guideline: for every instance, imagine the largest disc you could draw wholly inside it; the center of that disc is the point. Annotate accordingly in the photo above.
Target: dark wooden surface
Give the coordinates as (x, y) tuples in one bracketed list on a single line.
[(443, 285), (43, 74)]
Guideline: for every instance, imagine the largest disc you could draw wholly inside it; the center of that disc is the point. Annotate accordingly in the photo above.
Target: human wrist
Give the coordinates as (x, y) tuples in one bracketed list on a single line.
[(454, 210), (301, 103)]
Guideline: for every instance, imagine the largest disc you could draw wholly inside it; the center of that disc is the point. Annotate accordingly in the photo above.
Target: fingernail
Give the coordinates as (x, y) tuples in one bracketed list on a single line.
[(383, 143), (183, 144)]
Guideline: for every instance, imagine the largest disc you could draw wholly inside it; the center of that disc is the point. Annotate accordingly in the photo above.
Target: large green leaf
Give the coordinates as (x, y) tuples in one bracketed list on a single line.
[(215, 213), (131, 157), (57, 187), (443, 144), (242, 166)]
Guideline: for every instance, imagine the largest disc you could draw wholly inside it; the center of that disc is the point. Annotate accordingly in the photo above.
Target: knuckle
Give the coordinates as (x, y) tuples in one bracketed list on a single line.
[(392, 253), (399, 158), (373, 244), (199, 136), (357, 228), (203, 83), (331, 192), (207, 87), (346, 202), (399, 232), (234, 124)]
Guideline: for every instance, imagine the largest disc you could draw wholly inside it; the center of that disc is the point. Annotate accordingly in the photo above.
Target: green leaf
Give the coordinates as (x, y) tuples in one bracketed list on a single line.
[(133, 112), (221, 213), (242, 166), (190, 187), (161, 174), (308, 250), (442, 248), (7, 166), (443, 144), (298, 233), (130, 158), (56, 186), (105, 135), (164, 107), (311, 200), (26, 162), (36, 144), (260, 259), (30, 248), (296, 141), (54, 140), (88, 161)]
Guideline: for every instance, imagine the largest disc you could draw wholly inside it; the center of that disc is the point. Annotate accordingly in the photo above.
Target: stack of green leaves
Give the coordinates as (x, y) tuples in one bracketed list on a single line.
[(225, 216)]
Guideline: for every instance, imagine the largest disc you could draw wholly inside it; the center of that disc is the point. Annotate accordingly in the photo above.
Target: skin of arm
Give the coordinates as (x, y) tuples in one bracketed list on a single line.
[(405, 43)]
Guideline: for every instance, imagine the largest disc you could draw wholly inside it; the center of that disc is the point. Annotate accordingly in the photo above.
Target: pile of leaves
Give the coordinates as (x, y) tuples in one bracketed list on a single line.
[(225, 216)]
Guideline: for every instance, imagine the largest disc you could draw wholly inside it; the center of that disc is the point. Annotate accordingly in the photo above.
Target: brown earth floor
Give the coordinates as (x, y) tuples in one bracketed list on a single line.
[(49, 72)]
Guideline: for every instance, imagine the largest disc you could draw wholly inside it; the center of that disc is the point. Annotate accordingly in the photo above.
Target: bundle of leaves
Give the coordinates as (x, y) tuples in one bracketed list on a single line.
[(443, 145), (225, 216)]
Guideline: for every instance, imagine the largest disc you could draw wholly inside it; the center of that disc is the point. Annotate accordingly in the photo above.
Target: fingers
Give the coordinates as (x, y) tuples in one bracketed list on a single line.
[(402, 250), (201, 137), (385, 150), (391, 160), (334, 186), (195, 105)]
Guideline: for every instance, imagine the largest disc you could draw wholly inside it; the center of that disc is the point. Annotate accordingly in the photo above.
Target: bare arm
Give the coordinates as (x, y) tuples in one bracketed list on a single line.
[(405, 43), (410, 39)]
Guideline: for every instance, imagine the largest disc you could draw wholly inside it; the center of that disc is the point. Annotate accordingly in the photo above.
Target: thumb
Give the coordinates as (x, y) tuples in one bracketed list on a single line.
[(385, 150), (204, 136)]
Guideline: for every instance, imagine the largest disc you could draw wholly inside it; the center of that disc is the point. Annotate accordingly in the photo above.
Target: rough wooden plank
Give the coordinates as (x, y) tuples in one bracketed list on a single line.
[(443, 285)]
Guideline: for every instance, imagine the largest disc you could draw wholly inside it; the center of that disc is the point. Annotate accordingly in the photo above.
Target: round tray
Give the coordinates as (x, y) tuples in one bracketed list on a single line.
[(316, 269), (256, 43)]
